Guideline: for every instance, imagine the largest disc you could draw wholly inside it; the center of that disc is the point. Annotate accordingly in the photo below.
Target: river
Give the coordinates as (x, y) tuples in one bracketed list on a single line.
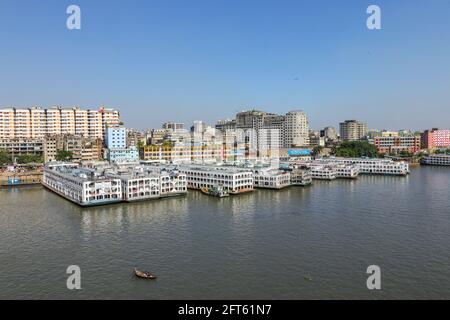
[(298, 243)]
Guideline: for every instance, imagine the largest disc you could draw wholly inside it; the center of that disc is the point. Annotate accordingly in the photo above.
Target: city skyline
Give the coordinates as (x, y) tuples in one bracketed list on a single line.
[(187, 125), (158, 62)]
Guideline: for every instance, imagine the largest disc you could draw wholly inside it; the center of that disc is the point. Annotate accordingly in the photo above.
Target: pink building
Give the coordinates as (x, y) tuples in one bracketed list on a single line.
[(435, 138)]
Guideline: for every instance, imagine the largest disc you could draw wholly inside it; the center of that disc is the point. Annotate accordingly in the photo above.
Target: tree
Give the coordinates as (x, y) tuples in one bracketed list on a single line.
[(63, 155), (317, 150), (4, 157), (29, 158), (355, 149), (405, 153), (167, 143)]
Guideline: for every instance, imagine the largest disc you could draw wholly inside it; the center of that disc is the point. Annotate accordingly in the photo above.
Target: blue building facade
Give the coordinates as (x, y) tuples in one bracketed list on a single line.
[(116, 144), (116, 137)]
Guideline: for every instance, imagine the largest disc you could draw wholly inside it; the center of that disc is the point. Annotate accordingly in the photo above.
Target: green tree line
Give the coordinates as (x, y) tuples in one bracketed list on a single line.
[(355, 149)]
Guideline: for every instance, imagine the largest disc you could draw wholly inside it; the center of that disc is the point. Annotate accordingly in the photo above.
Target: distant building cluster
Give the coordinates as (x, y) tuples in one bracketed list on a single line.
[(289, 130), (90, 135), (45, 132), (37, 123)]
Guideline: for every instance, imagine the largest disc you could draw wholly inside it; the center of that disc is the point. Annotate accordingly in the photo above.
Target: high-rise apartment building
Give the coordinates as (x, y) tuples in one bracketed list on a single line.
[(172, 126), (36, 123), (296, 129), (292, 128), (198, 126), (352, 130)]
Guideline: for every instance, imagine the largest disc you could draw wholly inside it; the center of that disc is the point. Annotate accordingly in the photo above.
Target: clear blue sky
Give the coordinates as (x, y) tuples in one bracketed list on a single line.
[(206, 59)]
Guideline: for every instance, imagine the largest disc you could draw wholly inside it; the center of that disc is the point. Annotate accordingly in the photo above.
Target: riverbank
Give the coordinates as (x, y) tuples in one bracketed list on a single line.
[(23, 178)]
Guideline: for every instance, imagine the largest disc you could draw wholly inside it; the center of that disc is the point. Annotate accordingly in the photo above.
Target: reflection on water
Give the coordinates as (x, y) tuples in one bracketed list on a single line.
[(259, 245), (117, 216)]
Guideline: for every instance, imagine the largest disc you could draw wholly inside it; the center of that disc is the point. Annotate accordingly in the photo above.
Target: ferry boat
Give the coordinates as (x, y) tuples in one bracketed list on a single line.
[(437, 160), (173, 183), (300, 175), (323, 172), (347, 171), (105, 184), (83, 186), (232, 179), (216, 191), (371, 165), (269, 178)]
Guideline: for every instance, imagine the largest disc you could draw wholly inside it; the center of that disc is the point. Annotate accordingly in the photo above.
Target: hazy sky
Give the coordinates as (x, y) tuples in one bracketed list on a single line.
[(165, 60)]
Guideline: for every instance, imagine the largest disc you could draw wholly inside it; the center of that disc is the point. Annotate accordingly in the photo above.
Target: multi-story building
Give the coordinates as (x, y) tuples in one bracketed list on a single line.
[(187, 154), (116, 137), (110, 117), (352, 130), (436, 138), (7, 123), (121, 155), (224, 125), (173, 126), (329, 133), (394, 143), (292, 128), (135, 138), (156, 136), (81, 147), (198, 126), (21, 147), (117, 149), (97, 122), (315, 139), (36, 123), (296, 129)]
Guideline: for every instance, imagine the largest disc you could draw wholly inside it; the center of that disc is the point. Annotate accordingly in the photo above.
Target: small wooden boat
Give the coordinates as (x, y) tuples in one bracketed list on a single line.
[(216, 191), (144, 274)]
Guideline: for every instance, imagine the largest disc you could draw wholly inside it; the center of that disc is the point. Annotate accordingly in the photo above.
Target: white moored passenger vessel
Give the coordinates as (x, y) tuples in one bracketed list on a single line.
[(83, 186), (233, 180), (300, 176), (105, 184), (269, 178), (323, 172), (371, 165), (437, 160), (144, 182), (347, 171)]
